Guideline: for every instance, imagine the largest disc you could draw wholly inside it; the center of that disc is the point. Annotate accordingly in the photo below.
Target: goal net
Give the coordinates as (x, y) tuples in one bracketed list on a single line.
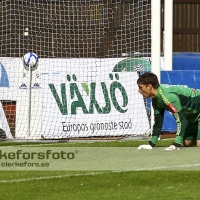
[(84, 86)]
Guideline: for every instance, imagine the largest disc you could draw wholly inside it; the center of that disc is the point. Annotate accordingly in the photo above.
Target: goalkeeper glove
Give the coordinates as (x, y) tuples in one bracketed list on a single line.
[(173, 146), (147, 146)]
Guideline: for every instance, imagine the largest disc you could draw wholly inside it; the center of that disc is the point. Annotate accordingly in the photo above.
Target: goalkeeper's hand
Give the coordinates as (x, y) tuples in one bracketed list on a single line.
[(173, 146), (145, 146)]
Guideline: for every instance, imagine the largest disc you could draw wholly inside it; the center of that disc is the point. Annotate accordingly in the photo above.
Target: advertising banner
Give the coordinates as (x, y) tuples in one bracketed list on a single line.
[(79, 98), (82, 106)]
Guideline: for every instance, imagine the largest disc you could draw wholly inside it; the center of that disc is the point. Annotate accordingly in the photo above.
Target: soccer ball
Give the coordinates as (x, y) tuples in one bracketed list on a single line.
[(30, 59)]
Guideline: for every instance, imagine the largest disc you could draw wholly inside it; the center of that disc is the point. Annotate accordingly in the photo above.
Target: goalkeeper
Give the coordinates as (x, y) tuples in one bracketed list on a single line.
[(183, 103)]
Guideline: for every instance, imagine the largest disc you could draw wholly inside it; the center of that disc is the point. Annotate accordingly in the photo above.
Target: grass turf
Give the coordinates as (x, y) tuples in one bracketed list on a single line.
[(116, 186), (80, 185), (111, 143)]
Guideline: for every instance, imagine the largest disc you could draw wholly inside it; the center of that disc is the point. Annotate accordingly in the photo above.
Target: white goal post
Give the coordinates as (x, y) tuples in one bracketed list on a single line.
[(85, 84)]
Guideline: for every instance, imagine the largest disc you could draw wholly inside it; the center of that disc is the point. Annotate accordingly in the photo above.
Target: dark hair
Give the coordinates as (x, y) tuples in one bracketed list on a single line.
[(149, 78)]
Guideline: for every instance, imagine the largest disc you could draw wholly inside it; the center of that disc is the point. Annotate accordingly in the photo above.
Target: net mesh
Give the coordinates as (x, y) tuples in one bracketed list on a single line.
[(82, 48)]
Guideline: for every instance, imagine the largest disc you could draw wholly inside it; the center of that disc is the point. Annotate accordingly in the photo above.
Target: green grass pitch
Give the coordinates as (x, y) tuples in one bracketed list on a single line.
[(155, 174)]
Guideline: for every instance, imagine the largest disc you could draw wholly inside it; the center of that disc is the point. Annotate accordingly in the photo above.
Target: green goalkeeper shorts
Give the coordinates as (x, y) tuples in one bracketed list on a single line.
[(192, 132)]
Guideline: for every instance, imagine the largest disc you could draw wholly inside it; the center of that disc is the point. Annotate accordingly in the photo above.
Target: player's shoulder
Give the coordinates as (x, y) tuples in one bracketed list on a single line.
[(171, 91), (168, 88), (167, 92), (165, 88)]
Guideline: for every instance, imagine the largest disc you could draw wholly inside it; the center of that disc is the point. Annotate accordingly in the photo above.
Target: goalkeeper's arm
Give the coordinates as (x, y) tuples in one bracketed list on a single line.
[(157, 126), (181, 126)]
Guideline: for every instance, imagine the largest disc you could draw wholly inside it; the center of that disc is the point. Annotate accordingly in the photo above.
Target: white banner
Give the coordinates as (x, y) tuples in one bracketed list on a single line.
[(90, 103), (76, 98)]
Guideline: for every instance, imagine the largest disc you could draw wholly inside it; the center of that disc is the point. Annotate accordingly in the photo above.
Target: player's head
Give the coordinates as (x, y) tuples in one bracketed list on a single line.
[(149, 78), (148, 83)]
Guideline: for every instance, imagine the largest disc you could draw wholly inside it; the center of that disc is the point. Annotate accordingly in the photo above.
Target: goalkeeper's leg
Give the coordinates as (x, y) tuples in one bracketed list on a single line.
[(198, 139), (190, 137), (198, 143), (189, 142)]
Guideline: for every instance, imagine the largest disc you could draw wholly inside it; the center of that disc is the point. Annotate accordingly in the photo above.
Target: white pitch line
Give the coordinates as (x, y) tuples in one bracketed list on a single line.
[(50, 177), (96, 173), (167, 167)]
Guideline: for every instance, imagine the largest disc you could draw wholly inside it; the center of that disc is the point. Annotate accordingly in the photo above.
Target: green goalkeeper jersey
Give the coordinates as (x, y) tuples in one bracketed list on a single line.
[(182, 102)]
